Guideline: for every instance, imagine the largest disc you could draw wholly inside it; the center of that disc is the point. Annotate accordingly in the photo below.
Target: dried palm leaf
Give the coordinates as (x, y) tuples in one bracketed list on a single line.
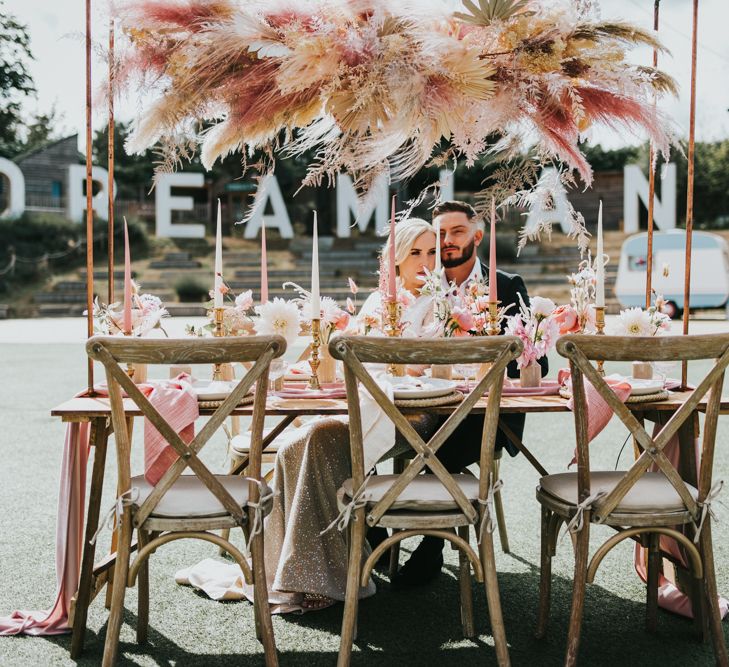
[(489, 11)]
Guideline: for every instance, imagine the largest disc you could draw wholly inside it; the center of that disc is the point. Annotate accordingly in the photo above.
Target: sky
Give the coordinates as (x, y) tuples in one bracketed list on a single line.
[(58, 69)]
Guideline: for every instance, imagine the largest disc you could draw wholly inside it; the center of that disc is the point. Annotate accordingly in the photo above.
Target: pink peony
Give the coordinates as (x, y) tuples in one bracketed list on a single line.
[(566, 318), (461, 321)]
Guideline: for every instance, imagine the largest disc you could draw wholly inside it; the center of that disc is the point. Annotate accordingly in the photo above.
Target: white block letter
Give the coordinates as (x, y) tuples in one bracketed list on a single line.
[(165, 203), (558, 209), (76, 201), (447, 185), (376, 202), (16, 191), (635, 190), (269, 190)]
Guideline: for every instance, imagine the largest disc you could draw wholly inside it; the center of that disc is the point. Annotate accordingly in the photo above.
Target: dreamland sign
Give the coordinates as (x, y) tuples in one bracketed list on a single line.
[(635, 191)]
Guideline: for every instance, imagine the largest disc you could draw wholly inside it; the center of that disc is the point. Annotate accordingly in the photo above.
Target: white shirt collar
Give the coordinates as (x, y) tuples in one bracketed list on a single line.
[(475, 274)]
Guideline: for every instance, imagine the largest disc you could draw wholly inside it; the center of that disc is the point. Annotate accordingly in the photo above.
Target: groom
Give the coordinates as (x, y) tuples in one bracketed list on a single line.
[(461, 232)]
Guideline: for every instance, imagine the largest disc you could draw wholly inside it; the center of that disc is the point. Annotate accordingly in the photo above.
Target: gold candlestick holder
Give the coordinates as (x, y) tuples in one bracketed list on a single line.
[(600, 326), (393, 330), (314, 361), (492, 327), (218, 332)]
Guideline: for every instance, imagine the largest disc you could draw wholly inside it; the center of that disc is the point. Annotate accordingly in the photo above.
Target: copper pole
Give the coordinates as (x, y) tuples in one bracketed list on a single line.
[(690, 190), (89, 203), (110, 162), (651, 184)]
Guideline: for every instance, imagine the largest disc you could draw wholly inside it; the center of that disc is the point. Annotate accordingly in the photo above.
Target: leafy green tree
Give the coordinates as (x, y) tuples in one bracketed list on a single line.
[(16, 84)]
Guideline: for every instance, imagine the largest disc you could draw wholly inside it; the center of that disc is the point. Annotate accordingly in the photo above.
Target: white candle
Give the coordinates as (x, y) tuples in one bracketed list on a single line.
[(437, 245), (218, 292), (600, 286), (315, 299)]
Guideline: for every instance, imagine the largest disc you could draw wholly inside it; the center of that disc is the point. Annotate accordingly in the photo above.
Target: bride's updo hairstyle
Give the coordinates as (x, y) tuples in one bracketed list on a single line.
[(406, 232)]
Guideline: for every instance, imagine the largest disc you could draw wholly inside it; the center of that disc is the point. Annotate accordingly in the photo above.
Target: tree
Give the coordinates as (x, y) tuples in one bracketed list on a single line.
[(16, 84)]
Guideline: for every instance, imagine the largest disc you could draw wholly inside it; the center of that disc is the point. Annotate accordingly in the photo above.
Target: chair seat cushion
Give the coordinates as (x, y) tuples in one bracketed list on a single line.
[(425, 493), (189, 498), (650, 494)]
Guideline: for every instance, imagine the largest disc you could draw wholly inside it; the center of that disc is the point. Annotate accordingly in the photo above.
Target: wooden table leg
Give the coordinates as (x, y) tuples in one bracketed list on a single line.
[(516, 441), (98, 438)]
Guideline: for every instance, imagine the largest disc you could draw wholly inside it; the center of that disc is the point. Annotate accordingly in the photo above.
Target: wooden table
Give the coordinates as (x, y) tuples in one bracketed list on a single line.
[(94, 576)]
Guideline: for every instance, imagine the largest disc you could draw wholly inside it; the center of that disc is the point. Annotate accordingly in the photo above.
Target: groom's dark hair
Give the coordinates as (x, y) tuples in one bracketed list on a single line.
[(454, 206)]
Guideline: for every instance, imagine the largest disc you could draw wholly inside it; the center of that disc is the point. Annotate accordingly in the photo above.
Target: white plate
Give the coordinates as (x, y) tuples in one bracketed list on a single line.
[(422, 387), (643, 387), (213, 390)]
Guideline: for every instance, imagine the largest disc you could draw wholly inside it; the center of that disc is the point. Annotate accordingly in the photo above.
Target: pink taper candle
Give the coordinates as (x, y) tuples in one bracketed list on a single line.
[(127, 318), (264, 266), (493, 296), (391, 270)]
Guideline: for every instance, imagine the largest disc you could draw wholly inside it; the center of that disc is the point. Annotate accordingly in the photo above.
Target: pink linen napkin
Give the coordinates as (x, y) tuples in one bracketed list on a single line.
[(69, 542), (177, 403), (598, 411)]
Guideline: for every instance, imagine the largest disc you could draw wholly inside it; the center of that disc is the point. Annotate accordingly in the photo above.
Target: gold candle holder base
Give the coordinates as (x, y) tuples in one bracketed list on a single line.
[(393, 330), (492, 326), (314, 361), (600, 326), (218, 332)]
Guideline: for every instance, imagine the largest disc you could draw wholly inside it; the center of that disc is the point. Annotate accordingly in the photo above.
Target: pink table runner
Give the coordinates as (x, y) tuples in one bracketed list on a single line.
[(177, 404)]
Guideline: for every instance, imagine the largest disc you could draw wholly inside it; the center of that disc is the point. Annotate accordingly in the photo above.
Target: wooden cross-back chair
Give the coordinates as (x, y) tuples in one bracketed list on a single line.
[(186, 506), (639, 504), (440, 504)]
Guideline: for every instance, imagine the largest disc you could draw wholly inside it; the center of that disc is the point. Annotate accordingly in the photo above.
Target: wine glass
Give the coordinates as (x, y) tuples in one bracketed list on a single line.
[(467, 371), (276, 371), (662, 369)]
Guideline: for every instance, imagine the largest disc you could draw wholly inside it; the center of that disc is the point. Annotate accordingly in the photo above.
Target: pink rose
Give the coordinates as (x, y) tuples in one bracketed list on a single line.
[(566, 318)]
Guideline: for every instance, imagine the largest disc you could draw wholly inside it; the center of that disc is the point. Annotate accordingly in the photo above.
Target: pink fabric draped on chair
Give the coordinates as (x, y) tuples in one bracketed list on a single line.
[(177, 403)]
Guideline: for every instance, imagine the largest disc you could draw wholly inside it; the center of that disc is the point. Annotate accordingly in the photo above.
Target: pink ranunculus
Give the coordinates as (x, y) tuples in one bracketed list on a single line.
[(341, 321), (567, 320)]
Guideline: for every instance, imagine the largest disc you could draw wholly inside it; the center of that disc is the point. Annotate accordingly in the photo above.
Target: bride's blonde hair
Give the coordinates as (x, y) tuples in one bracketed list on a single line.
[(406, 232)]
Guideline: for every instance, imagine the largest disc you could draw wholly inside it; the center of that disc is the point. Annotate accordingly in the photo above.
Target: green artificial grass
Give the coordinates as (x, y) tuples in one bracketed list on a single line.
[(416, 628)]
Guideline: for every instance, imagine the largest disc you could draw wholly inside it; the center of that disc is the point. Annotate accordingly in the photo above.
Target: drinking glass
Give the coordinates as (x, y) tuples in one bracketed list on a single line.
[(276, 371), (467, 371)]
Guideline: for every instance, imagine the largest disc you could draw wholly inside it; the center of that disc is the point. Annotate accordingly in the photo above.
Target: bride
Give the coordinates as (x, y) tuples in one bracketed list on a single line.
[(307, 569)]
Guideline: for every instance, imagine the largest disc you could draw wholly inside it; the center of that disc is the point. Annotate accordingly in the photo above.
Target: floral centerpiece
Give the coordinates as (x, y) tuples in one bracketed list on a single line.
[(538, 330), (147, 314), (237, 315), (639, 322), (578, 316)]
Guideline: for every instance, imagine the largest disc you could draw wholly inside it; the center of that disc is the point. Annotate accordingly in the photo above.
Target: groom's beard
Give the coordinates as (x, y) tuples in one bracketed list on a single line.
[(466, 254)]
